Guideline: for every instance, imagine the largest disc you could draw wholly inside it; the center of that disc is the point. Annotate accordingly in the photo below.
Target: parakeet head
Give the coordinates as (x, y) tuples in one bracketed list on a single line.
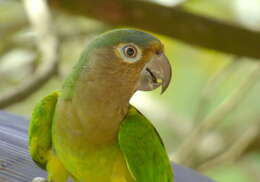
[(126, 59), (136, 56)]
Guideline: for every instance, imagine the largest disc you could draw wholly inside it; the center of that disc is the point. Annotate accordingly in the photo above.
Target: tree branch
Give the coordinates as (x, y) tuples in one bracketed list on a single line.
[(235, 150), (173, 22), (211, 85), (187, 148), (47, 41)]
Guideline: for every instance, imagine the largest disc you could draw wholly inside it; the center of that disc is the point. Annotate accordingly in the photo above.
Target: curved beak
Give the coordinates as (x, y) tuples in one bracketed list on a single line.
[(157, 72)]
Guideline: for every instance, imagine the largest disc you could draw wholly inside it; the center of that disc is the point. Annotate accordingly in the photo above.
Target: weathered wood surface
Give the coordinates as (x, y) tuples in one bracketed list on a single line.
[(17, 166)]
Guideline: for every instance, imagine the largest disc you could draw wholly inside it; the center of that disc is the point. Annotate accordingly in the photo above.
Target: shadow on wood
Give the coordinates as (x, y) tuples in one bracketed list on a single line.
[(17, 166)]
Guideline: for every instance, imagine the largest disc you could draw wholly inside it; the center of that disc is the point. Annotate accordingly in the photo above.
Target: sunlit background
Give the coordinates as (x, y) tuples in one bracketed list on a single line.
[(209, 118)]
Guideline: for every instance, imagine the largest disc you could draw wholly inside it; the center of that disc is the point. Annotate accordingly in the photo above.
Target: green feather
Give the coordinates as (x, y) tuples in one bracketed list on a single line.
[(143, 149), (40, 129)]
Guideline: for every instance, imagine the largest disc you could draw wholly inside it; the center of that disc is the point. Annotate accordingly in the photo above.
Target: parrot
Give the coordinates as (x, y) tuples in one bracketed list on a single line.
[(88, 131)]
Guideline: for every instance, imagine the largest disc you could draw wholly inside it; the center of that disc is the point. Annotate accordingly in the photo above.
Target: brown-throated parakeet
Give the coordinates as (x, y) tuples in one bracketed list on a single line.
[(88, 130)]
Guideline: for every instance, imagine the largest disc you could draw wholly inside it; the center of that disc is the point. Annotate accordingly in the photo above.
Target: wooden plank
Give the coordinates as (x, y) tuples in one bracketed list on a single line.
[(17, 166)]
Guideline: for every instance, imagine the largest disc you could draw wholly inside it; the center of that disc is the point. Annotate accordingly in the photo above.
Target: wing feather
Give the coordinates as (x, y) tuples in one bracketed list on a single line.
[(40, 129), (143, 149)]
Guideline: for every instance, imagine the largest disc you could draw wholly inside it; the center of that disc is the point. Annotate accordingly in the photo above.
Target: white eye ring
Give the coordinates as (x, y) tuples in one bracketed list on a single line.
[(130, 52)]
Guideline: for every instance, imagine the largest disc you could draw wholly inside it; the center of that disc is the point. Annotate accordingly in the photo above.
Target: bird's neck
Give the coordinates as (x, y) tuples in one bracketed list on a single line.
[(101, 103), (101, 100)]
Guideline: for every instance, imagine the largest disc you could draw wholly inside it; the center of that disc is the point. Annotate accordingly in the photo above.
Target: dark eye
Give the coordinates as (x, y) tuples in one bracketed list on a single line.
[(130, 51)]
